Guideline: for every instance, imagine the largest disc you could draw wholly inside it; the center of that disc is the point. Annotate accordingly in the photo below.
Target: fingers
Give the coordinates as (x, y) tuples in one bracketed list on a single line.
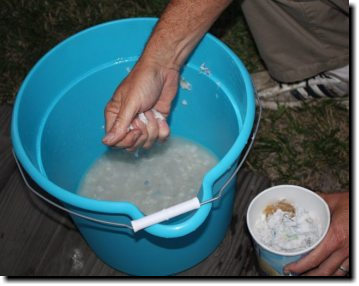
[(147, 127), (163, 105), (129, 140), (345, 267), (330, 199), (111, 111), (117, 127), (148, 85), (155, 128), (163, 130), (137, 123), (330, 265), (152, 129), (316, 257)]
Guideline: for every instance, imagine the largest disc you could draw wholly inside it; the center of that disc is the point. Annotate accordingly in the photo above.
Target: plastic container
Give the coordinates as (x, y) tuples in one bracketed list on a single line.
[(58, 124), (271, 261)]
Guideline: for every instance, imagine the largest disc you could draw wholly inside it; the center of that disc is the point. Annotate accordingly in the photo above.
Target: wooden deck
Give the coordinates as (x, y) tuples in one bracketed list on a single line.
[(38, 240)]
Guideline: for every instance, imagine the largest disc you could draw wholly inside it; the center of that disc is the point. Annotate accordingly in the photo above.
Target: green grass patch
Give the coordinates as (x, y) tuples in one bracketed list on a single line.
[(308, 146)]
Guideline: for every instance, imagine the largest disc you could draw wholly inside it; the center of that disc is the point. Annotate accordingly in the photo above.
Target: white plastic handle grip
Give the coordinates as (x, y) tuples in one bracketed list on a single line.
[(165, 214)]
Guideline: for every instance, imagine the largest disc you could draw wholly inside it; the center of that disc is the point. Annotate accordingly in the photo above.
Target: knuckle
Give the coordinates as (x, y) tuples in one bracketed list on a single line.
[(152, 133), (140, 142), (127, 142), (145, 134), (140, 125), (133, 140), (112, 106), (165, 132), (149, 143)]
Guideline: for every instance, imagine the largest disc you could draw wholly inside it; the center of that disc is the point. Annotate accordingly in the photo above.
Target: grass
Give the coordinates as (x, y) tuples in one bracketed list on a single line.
[(28, 29), (307, 146)]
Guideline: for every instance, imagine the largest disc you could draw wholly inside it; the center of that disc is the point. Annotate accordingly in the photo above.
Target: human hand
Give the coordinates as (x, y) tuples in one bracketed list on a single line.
[(333, 252), (148, 86)]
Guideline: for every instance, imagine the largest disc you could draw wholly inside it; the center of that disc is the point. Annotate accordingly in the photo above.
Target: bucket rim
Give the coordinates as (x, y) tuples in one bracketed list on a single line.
[(128, 208)]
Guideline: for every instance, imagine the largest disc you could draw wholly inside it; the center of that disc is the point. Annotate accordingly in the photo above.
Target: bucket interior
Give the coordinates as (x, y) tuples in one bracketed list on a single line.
[(60, 108), (71, 138)]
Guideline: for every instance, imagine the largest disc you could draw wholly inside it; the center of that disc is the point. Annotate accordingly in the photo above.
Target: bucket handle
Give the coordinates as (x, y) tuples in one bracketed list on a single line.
[(164, 214)]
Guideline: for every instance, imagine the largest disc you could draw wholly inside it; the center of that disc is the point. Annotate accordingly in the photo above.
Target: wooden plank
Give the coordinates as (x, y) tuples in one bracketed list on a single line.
[(38, 239), (25, 228), (69, 255), (5, 119), (7, 163)]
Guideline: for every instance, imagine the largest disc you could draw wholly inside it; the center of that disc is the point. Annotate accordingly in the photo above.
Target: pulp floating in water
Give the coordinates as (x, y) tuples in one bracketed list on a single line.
[(165, 175)]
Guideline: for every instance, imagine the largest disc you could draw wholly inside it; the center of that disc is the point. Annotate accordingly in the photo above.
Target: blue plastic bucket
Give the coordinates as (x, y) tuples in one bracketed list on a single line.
[(57, 127)]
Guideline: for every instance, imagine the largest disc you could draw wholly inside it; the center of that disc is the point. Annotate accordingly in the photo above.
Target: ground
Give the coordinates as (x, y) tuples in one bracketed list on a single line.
[(307, 146)]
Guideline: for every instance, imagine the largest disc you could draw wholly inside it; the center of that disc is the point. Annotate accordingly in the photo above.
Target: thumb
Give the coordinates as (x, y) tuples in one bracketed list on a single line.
[(121, 124)]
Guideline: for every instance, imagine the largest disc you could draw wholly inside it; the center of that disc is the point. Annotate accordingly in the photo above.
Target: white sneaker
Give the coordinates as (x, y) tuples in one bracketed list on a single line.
[(332, 84)]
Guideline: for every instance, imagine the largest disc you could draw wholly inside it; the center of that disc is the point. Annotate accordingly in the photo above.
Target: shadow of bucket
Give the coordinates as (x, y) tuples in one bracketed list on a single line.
[(58, 124)]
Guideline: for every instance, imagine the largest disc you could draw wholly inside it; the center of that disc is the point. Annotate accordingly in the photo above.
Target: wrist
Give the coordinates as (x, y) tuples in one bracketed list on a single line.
[(170, 45), (164, 62), (161, 54)]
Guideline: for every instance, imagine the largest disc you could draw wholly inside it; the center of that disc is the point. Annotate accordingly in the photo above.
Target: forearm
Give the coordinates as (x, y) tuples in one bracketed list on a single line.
[(180, 28)]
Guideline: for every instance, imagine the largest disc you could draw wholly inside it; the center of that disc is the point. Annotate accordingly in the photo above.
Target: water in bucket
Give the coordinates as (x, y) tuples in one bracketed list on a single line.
[(58, 125), (154, 179)]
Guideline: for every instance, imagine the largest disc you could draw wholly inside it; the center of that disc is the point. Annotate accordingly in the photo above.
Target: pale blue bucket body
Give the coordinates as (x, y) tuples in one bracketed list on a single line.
[(58, 124)]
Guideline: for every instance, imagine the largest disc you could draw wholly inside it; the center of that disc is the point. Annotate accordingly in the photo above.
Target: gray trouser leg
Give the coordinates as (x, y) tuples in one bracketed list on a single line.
[(298, 39)]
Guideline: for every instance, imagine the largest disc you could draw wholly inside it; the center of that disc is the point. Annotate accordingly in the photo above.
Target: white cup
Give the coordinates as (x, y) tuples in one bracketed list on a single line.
[(272, 261)]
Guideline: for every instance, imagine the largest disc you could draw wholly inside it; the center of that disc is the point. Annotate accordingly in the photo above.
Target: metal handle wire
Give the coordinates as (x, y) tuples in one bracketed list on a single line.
[(248, 148), (61, 207), (218, 196)]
